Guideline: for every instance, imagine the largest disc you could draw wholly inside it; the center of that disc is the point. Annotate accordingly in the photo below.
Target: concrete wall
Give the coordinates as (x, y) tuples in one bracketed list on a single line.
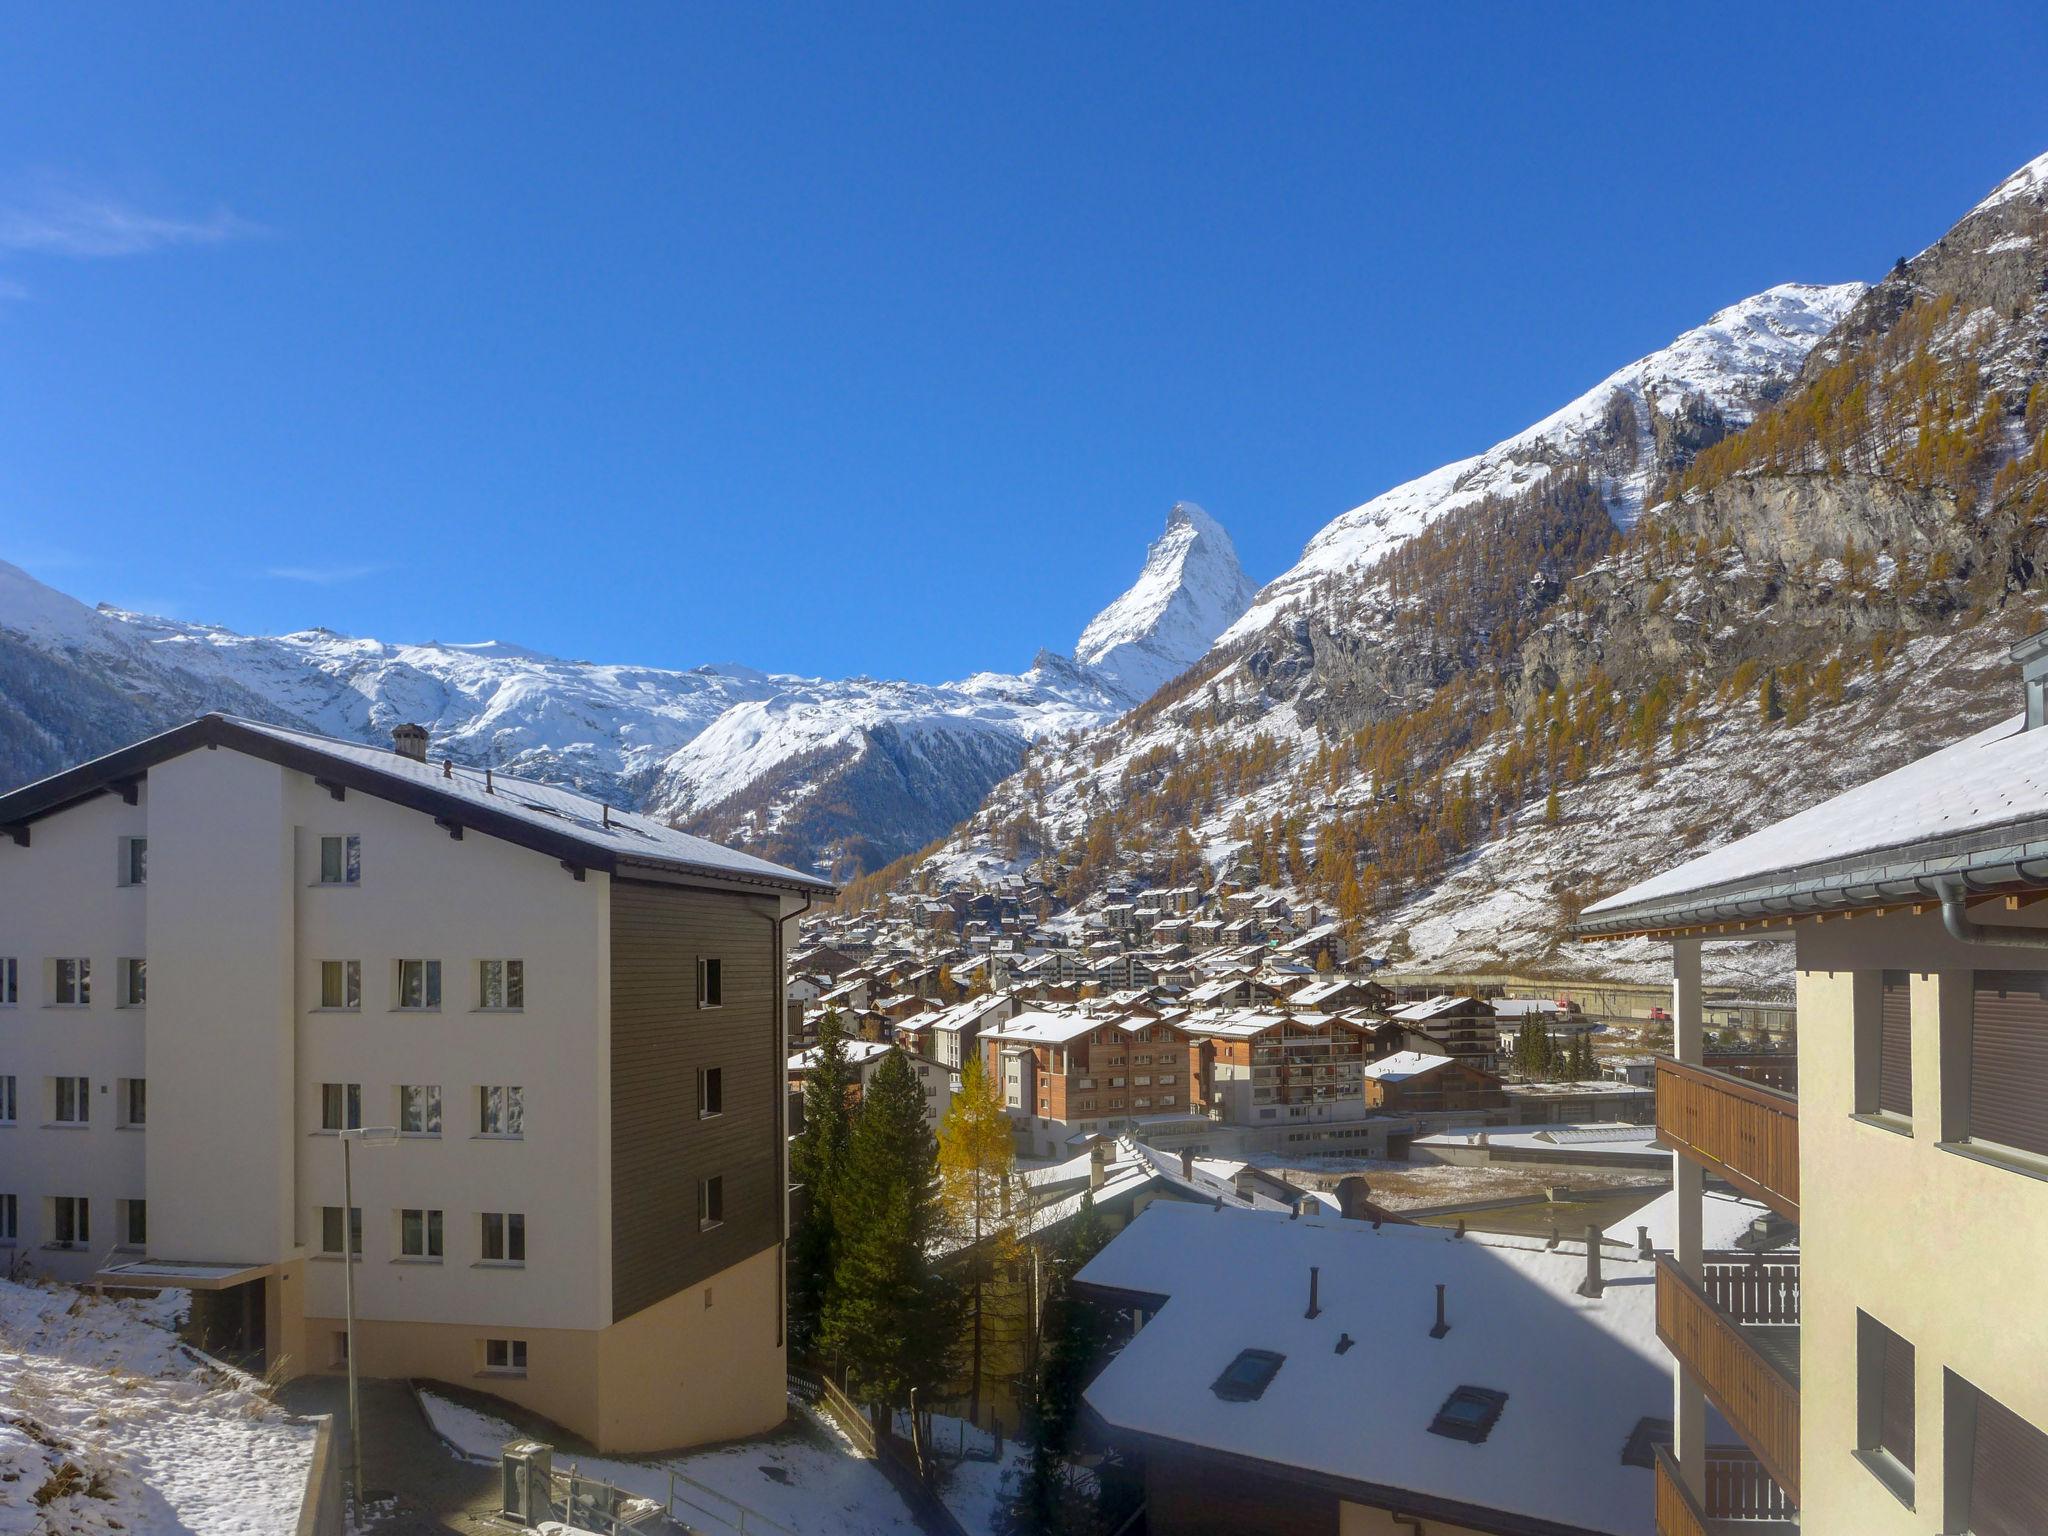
[(1945, 1251)]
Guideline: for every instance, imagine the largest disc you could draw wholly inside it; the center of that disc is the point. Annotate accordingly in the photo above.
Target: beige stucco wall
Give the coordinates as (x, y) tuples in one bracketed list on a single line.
[(60, 896), (1945, 1251), (1369, 1520)]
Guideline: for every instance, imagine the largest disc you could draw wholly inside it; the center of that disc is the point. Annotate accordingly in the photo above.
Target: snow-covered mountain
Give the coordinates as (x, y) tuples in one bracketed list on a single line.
[(834, 774), (1627, 429), (1191, 590)]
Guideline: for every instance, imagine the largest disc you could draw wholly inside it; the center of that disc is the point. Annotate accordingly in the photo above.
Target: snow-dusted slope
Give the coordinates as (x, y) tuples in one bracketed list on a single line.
[(805, 768), (1191, 590), (1714, 376)]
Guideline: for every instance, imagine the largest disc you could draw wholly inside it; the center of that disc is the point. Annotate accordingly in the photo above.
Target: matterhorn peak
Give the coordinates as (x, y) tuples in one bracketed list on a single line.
[(1190, 591)]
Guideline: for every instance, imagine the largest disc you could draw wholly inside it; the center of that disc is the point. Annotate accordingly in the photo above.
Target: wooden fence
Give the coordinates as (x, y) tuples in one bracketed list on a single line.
[(1747, 1133)]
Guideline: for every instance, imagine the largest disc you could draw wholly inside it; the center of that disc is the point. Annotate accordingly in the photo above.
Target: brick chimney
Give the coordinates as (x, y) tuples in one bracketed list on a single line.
[(410, 741), (1098, 1161)]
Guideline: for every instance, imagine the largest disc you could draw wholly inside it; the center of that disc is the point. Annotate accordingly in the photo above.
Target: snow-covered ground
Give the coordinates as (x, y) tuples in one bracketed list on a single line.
[(808, 1483), (161, 1443)]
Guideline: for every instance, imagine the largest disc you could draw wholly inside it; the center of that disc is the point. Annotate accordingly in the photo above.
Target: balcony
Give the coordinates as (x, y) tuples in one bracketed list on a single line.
[(1742, 1131), (1737, 1328), (1741, 1498)]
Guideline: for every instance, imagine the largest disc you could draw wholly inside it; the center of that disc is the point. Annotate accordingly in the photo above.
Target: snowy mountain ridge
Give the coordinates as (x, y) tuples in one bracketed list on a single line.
[(697, 746), (1710, 380)]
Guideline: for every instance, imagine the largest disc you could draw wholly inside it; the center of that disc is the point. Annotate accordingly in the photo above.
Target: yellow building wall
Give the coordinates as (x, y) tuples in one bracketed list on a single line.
[(1946, 1251)]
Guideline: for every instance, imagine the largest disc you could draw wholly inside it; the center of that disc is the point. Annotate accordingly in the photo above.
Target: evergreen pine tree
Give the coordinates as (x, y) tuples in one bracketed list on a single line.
[(888, 1315), (817, 1157)]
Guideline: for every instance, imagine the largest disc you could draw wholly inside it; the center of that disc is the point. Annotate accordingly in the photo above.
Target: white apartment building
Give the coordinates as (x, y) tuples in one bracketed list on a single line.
[(223, 945)]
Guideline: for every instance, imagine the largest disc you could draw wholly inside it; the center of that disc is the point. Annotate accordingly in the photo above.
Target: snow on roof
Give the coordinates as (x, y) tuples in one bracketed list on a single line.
[(1402, 1065), (1578, 1373), (1430, 1007), (1724, 1221), (1614, 1135), (858, 1053), (1966, 805)]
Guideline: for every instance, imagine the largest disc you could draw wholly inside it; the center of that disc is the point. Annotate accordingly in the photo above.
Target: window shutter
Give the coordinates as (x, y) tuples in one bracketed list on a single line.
[(1895, 1048), (1896, 1415), (2009, 1060), (2008, 1474)]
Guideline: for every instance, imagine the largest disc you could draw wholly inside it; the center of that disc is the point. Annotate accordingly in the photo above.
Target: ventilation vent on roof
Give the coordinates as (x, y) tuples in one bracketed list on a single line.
[(1469, 1414), (1247, 1377)]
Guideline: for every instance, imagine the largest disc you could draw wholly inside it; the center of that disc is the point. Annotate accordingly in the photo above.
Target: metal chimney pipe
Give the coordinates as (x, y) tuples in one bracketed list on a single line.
[(1442, 1324), (1592, 1285), (1314, 1275)]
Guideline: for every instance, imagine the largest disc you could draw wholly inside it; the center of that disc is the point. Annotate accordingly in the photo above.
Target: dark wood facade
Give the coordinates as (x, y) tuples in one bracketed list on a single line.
[(660, 1038)]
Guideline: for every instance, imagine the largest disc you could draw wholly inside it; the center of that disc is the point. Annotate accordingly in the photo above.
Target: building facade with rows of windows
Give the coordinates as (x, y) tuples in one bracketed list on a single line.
[(558, 1026), (1879, 1347)]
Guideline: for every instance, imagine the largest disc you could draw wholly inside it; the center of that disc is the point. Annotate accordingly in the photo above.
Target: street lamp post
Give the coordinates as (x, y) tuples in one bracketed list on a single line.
[(373, 1136)]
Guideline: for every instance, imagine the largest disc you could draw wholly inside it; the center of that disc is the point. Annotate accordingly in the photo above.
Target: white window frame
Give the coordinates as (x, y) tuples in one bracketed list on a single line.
[(510, 1110), (79, 1209), (72, 988), (710, 1202), (355, 1221), (133, 867), (347, 848), (710, 1103), (505, 978), (421, 1234), (504, 1357), (131, 982), (80, 1088), (710, 981), (348, 978), (343, 1102), (134, 1096), (429, 989), (427, 1098), (508, 1237)]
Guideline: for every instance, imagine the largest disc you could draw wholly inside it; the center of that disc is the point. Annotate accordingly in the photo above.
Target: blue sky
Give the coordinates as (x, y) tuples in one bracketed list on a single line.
[(875, 340)]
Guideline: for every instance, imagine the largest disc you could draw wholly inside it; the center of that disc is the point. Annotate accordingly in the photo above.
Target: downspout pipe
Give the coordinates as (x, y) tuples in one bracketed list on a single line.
[(1955, 917)]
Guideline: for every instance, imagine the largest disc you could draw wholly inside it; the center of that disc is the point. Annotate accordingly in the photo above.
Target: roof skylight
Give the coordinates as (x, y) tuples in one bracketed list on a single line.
[(1469, 1414), (1247, 1377)]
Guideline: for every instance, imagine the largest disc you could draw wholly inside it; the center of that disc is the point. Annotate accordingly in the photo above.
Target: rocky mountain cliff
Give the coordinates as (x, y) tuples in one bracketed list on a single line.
[(837, 775), (1547, 671)]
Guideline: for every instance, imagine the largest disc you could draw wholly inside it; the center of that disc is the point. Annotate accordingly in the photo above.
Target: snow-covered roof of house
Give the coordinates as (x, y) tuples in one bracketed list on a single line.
[(1316, 993), (1724, 1221), (858, 1053), (1599, 1136), (1042, 1027), (1524, 1007), (1578, 1373), (1431, 1007), (1976, 810), (580, 831), (1402, 1065)]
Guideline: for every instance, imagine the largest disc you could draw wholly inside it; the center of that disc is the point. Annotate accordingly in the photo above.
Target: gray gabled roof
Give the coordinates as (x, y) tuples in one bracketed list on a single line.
[(583, 833)]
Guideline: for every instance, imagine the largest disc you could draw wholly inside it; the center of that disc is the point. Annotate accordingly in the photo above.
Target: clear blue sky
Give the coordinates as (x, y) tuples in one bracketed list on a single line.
[(872, 339)]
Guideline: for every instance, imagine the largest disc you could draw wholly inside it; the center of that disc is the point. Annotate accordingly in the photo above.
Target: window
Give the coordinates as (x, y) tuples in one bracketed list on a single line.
[(710, 982), (504, 1237), (710, 1092), (134, 860), (134, 1093), (71, 983), (419, 1234), (10, 1219), (8, 1104), (341, 984), (2007, 1097), (134, 1219), (71, 1101), (330, 1230), (419, 1109), (419, 983), (10, 981), (132, 982), (501, 1111), (501, 984), (1884, 1404), (70, 1221), (1998, 1478), (1247, 1377), (710, 1202), (341, 1106), (505, 1357), (341, 860), (1469, 1414)]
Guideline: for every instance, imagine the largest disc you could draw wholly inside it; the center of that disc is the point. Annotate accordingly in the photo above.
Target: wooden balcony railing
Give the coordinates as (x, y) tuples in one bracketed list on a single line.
[(1741, 1500), (1753, 1394), (1744, 1132), (1677, 1514)]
